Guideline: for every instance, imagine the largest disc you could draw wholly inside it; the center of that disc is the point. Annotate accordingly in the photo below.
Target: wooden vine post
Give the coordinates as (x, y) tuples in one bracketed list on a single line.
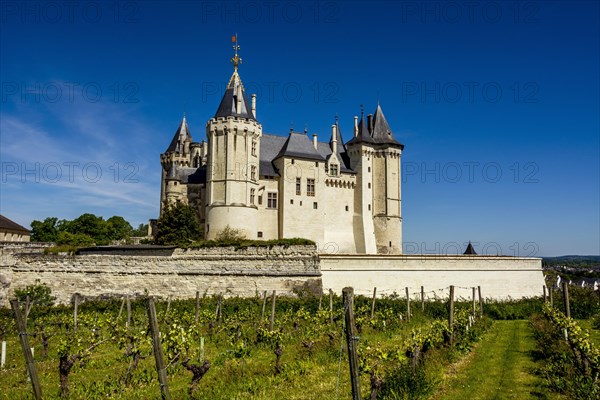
[(373, 303), (331, 306), (262, 316), (474, 307), (551, 295), (422, 299), (407, 305), (565, 286), (157, 349), (31, 369), (480, 302), (272, 321), (451, 313), (128, 323), (197, 306), (351, 338), (75, 311)]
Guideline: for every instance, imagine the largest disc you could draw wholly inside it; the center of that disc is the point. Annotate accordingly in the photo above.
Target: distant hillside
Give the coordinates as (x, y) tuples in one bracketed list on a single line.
[(573, 261), (573, 267)]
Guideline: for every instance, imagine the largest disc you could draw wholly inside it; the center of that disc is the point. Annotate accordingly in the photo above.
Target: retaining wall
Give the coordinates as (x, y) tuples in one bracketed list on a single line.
[(224, 270), (500, 277)]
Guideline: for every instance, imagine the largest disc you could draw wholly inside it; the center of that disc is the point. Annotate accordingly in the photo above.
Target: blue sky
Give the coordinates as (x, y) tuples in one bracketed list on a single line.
[(497, 104)]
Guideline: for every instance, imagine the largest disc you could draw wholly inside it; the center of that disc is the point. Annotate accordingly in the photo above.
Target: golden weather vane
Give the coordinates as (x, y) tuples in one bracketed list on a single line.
[(236, 60)]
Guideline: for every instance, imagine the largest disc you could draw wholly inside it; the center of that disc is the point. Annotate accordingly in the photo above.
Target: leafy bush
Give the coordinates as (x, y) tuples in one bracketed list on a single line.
[(74, 239), (572, 364), (244, 243), (39, 294)]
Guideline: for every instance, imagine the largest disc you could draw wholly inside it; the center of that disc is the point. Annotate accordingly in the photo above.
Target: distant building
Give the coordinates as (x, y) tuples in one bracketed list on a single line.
[(343, 195), (10, 231)]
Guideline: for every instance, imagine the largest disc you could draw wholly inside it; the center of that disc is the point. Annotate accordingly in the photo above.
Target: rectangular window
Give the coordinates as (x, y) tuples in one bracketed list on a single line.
[(254, 148), (298, 187), (259, 234), (271, 200), (333, 169), (252, 195), (291, 201), (315, 205), (253, 172), (260, 200), (310, 187)]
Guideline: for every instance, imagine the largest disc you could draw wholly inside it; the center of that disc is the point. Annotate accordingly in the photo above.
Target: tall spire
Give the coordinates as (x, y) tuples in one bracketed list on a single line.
[(181, 135), (235, 102), (236, 59)]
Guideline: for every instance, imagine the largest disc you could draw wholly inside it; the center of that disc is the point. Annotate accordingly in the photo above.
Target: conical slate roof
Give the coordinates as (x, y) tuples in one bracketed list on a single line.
[(229, 102), (364, 136), (470, 250), (181, 135), (172, 173), (381, 130)]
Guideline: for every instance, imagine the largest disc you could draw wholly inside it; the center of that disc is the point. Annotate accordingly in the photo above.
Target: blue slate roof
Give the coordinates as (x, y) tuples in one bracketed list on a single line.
[(298, 145), (228, 106)]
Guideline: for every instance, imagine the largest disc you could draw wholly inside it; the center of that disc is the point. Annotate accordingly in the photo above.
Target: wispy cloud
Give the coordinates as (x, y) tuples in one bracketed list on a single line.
[(92, 158)]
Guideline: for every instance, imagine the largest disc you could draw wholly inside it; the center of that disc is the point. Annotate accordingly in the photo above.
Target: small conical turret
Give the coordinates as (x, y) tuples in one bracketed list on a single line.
[(470, 250), (182, 135), (363, 135)]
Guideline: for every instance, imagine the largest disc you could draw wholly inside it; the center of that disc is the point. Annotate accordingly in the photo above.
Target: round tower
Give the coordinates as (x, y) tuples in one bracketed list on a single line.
[(233, 136)]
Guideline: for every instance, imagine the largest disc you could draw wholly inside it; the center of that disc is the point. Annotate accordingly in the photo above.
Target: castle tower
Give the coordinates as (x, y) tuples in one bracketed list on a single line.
[(177, 154), (387, 215), (233, 136), (360, 150)]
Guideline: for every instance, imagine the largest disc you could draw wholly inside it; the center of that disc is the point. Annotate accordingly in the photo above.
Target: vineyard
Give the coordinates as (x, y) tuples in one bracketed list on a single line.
[(268, 347)]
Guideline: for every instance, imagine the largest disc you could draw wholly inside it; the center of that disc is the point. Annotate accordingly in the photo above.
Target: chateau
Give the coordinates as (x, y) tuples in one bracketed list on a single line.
[(345, 196)]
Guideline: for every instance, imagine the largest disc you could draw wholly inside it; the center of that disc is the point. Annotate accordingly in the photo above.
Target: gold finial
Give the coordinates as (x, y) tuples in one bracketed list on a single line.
[(236, 60)]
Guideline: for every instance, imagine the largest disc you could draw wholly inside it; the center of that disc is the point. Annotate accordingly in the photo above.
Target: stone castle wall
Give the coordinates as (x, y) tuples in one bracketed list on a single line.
[(226, 270), (245, 272), (500, 277)]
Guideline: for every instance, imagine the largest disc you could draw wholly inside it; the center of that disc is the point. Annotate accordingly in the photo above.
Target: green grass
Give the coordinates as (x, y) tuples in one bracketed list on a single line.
[(501, 367), (594, 333)]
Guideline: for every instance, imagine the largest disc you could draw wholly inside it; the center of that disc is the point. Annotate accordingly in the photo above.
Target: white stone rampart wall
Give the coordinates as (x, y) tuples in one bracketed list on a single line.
[(245, 272), (499, 277), (213, 270)]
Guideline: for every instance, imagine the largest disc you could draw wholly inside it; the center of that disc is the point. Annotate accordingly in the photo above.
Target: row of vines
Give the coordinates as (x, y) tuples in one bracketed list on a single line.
[(227, 349)]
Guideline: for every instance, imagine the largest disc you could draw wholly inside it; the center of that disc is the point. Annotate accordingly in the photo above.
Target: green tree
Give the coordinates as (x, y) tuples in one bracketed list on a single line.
[(178, 225), (118, 228), (74, 239), (89, 224), (44, 231), (142, 230)]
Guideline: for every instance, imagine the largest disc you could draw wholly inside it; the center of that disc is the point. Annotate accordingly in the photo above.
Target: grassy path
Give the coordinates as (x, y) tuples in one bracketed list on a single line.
[(500, 367)]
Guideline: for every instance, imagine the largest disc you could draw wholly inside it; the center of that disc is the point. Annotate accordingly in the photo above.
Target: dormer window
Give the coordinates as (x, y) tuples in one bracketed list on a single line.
[(333, 169)]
